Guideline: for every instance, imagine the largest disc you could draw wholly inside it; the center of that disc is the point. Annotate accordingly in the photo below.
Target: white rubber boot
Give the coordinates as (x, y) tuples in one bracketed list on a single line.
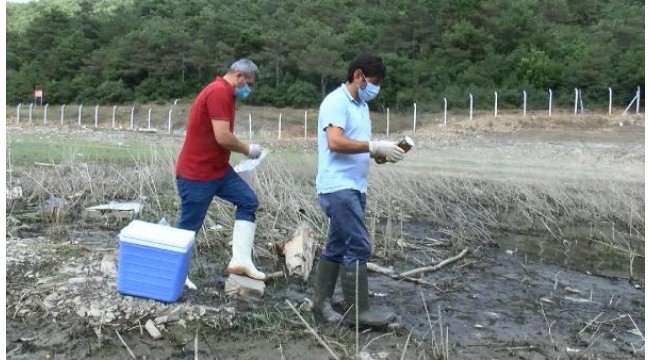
[(243, 234)]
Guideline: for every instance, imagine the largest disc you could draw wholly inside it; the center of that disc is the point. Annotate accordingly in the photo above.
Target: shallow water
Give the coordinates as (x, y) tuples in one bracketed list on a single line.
[(577, 253)]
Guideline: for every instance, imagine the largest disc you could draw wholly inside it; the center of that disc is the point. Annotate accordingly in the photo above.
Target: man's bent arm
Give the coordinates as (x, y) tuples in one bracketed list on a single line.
[(338, 142), (227, 139)]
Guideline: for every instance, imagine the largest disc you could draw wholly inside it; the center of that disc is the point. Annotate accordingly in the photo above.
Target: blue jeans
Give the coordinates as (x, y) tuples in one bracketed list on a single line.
[(348, 238), (196, 197)]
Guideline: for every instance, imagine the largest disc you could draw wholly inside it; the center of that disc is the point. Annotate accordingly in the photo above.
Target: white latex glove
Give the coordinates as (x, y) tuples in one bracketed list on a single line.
[(254, 151), (386, 149)]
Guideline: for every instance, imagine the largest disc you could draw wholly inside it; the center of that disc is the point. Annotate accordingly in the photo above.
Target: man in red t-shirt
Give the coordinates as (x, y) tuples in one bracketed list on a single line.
[(203, 168)]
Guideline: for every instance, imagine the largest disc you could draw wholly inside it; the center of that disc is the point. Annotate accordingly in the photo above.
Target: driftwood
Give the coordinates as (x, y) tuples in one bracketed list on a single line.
[(407, 275), (435, 267), (392, 274), (274, 275), (299, 252)]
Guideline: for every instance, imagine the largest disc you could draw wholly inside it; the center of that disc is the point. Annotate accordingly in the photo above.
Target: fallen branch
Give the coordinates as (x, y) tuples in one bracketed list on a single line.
[(435, 267), (274, 275), (125, 345), (312, 330), (636, 327), (589, 323), (393, 275), (380, 269)]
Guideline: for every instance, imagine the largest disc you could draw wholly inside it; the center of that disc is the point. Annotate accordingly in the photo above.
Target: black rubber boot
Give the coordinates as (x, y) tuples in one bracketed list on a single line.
[(373, 317), (326, 275)]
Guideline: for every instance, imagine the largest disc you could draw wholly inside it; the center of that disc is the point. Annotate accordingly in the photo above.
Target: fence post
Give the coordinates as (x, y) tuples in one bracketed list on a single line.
[(610, 101), (445, 112), (496, 103), (113, 117), (280, 126), (132, 111), (582, 109), (31, 106), (525, 101), (387, 121), (575, 105), (169, 120), (79, 115), (96, 115), (250, 126), (471, 107), (305, 124), (18, 113), (638, 99), (149, 119), (45, 114), (550, 102), (62, 113), (415, 112)]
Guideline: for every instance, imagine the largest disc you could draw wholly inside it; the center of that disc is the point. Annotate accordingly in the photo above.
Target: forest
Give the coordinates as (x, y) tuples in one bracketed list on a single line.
[(126, 51)]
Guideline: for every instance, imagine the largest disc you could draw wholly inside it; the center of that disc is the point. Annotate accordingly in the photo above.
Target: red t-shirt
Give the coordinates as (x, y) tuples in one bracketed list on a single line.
[(201, 157)]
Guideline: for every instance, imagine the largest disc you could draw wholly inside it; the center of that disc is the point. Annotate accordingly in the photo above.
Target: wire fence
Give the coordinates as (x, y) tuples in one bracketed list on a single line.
[(293, 123)]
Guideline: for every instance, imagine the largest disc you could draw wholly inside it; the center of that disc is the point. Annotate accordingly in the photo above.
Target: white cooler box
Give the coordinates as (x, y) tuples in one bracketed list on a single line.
[(153, 260)]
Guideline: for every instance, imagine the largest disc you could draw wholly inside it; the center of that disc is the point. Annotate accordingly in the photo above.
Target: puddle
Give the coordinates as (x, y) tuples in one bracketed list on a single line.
[(576, 253)]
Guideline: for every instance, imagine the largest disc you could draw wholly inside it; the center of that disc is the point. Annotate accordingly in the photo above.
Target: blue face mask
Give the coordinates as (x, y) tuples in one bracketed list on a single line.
[(242, 92), (370, 92)]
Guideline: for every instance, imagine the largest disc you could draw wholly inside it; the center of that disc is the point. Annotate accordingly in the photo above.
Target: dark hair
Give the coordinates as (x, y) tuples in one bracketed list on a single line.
[(370, 65)]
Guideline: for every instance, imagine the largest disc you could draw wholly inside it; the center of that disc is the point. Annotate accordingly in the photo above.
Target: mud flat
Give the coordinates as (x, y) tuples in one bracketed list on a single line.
[(553, 220)]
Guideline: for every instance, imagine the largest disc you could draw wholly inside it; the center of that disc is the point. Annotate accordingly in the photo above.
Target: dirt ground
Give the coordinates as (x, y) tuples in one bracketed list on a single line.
[(521, 296)]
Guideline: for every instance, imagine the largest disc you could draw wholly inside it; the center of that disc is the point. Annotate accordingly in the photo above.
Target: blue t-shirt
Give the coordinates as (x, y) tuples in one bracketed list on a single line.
[(337, 171)]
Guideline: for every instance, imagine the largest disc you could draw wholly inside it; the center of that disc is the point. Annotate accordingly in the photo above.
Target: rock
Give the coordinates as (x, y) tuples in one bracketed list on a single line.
[(162, 319), (53, 204), (28, 338), (77, 280), (393, 326), (15, 193), (109, 316), (244, 286), (152, 330), (49, 300), (108, 266), (229, 310), (94, 313), (182, 323), (81, 313)]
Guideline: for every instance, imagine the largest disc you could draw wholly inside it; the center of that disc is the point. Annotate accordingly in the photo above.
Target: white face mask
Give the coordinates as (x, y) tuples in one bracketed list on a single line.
[(370, 92)]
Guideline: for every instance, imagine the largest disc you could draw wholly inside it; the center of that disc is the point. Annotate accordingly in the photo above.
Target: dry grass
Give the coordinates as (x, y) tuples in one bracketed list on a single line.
[(466, 210)]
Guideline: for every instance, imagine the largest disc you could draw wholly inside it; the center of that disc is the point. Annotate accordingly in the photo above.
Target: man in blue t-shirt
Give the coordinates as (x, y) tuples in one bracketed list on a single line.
[(344, 152)]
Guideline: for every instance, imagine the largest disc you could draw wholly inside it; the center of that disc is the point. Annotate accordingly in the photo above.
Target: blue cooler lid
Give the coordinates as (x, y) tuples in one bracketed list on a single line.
[(160, 236)]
